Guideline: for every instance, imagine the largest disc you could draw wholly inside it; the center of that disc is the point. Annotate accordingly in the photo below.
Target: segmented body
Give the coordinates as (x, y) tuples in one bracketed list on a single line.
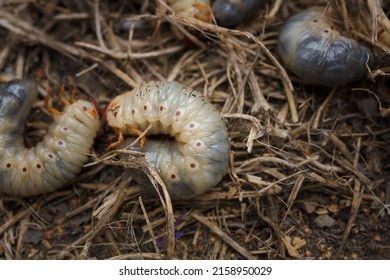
[(197, 158), (229, 13), (311, 48), (56, 160)]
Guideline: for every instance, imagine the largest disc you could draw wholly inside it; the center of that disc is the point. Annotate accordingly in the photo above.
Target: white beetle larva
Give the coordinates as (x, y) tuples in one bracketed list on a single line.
[(198, 157), (311, 48), (56, 160), (229, 13), (199, 9)]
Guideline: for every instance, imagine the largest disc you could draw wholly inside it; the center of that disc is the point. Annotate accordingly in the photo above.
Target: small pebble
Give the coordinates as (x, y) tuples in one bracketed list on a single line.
[(324, 221)]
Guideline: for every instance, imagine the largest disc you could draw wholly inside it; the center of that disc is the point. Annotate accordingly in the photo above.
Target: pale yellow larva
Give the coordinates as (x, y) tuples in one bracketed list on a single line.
[(56, 160), (199, 9), (197, 158)]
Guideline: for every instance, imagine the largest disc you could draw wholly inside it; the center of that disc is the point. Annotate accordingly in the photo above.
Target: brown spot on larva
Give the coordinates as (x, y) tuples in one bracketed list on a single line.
[(178, 113), (24, 169), (192, 165), (315, 20), (145, 107), (8, 165), (39, 166), (60, 143), (93, 112), (198, 144), (114, 104), (326, 31), (85, 108), (65, 129), (161, 108), (132, 111), (192, 125), (50, 155), (173, 176)]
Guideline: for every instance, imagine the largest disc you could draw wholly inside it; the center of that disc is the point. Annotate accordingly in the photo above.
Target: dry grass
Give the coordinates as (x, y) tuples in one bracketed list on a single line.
[(309, 166)]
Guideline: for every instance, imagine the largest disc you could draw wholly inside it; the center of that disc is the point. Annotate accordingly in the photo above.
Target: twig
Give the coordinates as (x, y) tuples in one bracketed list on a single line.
[(197, 216)]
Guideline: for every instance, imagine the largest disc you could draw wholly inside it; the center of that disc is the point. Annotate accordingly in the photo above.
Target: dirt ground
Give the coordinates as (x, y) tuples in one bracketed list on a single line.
[(309, 166)]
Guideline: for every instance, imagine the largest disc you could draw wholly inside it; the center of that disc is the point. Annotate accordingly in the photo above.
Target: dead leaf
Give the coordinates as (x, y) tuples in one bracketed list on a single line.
[(293, 245)]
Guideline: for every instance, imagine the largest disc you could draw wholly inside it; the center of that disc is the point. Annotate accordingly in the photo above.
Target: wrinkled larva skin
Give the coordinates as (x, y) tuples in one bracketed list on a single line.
[(229, 13), (199, 9), (313, 50), (197, 158), (56, 160)]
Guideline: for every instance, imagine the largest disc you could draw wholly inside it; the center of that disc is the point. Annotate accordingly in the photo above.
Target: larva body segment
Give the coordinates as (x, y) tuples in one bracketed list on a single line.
[(230, 13), (53, 162), (197, 159), (313, 50), (199, 9)]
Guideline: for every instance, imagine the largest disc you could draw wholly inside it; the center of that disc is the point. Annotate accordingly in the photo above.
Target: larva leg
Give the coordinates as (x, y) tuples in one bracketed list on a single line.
[(61, 96), (73, 96), (118, 142), (121, 138), (137, 132), (48, 107)]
